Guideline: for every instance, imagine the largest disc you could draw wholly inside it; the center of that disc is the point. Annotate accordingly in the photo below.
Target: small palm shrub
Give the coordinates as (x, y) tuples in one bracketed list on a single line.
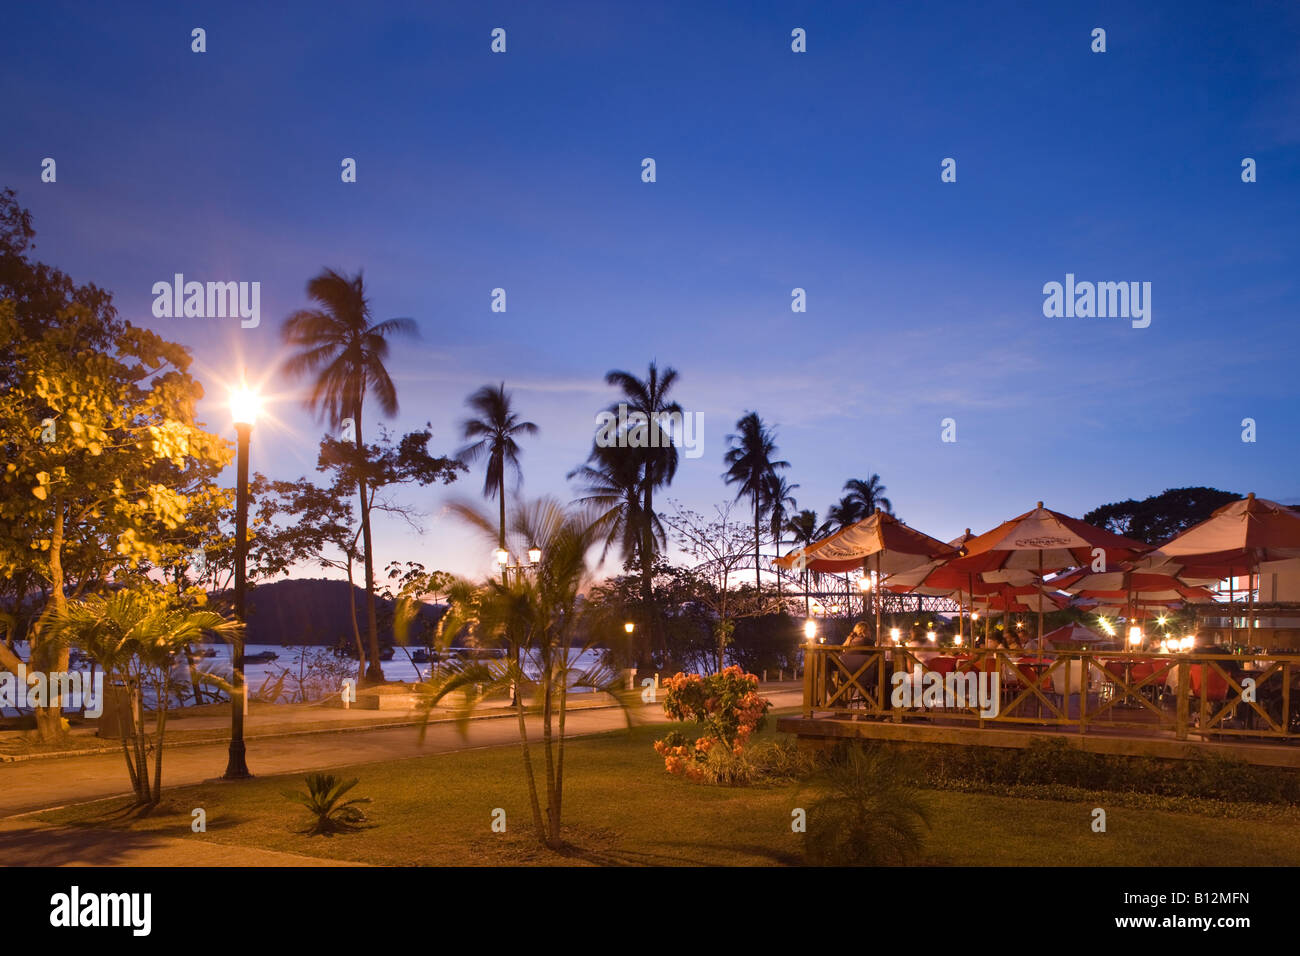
[(324, 798), (868, 813)]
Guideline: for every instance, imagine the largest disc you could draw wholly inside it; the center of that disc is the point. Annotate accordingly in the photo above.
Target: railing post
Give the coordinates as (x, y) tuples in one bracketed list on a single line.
[(809, 663), (1184, 688), (896, 713), (1085, 681), (1285, 670)]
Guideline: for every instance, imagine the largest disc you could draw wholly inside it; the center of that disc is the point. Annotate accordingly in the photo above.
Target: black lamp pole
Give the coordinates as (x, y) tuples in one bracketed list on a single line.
[(236, 767)]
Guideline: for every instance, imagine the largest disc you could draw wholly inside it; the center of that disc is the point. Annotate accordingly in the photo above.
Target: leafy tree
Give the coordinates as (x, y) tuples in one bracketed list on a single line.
[(719, 548), (750, 465), (344, 352), (1158, 518), (103, 456), (685, 624)]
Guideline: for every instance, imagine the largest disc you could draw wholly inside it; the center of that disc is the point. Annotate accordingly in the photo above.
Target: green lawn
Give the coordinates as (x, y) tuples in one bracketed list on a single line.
[(622, 808)]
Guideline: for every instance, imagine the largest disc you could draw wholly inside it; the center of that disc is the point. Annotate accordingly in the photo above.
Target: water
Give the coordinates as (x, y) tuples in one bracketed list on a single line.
[(400, 668)]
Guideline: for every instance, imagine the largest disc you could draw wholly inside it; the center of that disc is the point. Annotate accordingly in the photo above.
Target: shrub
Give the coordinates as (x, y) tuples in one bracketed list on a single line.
[(727, 709), (869, 813)]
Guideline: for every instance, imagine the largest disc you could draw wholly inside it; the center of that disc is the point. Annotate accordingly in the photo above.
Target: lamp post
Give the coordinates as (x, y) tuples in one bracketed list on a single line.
[(243, 409)]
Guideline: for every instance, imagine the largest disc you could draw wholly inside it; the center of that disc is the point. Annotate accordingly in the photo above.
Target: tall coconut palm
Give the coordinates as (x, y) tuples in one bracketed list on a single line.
[(344, 351), (804, 529), (844, 512), (491, 435), (612, 487), (867, 495), (658, 455), (750, 465), (781, 501)]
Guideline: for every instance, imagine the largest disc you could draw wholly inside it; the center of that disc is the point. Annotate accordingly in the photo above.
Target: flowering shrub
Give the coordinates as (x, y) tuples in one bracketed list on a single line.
[(726, 706)]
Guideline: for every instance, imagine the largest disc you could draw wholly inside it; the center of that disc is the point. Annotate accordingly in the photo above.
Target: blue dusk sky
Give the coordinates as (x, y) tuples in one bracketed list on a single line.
[(775, 170)]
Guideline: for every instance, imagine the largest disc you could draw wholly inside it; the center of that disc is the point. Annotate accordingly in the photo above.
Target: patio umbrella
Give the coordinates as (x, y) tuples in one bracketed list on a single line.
[(881, 541), (1044, 541), (939, 578), (1133, 588), (1234, 540), (1074, 633)]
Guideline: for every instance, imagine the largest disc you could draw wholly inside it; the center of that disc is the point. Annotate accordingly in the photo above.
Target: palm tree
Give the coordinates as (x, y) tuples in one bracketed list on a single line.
[(537, 617), (780, 501), (803, 527), (658, 457), (137, 635), (867, 495), (613, 486), (750, 465), (613, 490), (344, 351), (844, 512), (492, 436)]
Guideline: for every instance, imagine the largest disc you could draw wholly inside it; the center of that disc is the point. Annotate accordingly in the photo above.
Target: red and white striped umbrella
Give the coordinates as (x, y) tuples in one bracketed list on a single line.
[(1045, 541)]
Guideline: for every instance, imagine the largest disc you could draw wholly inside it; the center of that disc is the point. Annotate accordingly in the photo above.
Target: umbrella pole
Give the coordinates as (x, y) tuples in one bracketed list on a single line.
[(970, 583), (1040, 603), (1251, 566), (1232, 615), (879, 598)]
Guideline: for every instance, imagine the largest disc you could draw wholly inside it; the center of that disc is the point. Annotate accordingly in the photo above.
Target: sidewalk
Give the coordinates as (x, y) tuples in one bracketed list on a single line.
[(211, 723)]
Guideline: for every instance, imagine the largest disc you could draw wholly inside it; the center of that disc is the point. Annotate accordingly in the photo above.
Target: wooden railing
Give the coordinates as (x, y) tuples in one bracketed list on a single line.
[(1199, 694)]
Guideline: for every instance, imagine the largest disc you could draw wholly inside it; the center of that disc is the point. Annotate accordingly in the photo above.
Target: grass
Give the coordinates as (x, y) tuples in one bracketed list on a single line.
[(622, 808)]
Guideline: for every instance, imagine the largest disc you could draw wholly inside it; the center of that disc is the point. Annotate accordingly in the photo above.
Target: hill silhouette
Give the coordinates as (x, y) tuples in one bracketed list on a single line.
[(317, 611)]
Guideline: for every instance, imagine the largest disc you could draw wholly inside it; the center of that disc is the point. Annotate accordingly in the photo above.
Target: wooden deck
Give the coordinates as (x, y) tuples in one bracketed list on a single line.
[(828, 728), (1169, 706)]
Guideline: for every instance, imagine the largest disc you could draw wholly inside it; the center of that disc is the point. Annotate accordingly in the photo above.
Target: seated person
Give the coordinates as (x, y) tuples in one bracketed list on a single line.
[(859, 635)]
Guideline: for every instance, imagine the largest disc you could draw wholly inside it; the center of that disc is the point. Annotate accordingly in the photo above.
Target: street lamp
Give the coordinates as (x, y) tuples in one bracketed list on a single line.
[(244, 406), (629, 627)]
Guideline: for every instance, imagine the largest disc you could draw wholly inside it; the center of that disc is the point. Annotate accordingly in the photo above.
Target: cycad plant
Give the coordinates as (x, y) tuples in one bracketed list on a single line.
[(324, 798), (137, 635), (868, 813), (532, 614)]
